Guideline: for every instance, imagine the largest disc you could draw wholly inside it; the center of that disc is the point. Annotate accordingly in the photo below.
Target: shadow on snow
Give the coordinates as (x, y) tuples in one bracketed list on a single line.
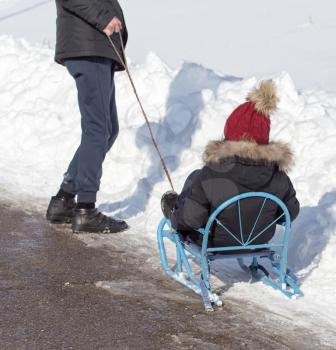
[(173, 134), (310, 235)]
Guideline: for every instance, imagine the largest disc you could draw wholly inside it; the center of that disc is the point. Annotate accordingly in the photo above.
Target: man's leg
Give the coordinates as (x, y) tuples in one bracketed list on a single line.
[(112, 125), (68, 185), (112, 122), (94, 80)]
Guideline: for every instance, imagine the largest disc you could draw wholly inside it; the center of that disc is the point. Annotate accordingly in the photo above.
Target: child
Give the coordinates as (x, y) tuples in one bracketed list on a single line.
[(245, 161)]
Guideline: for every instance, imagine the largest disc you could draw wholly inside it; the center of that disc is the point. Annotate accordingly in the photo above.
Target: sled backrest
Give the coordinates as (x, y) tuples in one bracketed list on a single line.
[(248, 239)]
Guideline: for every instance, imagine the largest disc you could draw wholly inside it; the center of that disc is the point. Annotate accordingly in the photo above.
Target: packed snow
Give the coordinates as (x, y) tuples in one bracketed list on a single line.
[(188, 106)]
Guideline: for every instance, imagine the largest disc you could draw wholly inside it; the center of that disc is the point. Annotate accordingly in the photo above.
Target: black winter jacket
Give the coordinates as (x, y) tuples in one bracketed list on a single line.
[(80, 25), (232, 168)]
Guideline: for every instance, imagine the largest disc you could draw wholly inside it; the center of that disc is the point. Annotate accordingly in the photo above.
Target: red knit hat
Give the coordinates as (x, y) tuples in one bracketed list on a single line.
[(251, 120)]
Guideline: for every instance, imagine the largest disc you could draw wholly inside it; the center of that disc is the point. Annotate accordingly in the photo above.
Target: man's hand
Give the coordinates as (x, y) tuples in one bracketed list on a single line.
[(114, 26)]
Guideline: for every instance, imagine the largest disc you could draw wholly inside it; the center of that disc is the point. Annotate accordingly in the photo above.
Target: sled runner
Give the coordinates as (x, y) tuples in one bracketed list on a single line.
[(248, 246)]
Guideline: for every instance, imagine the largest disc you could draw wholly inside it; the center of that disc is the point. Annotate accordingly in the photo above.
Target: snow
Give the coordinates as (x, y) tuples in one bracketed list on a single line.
[(244, 38), (187, 106)]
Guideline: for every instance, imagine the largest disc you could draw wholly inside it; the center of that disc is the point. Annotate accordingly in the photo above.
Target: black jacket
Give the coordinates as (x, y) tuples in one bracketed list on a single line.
[(80, 25), (232, 168)]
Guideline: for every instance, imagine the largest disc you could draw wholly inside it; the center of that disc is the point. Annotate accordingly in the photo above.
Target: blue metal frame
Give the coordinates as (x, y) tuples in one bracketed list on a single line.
[(275, 252)]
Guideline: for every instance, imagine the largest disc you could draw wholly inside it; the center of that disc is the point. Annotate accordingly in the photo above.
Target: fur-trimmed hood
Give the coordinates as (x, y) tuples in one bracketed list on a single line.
[(276, 153)]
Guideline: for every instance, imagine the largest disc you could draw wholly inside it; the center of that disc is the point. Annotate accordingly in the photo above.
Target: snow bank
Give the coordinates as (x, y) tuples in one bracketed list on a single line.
[(40, 130), (297, 36)]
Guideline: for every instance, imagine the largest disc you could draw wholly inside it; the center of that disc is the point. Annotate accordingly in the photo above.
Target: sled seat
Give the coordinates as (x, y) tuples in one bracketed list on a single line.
[(196, 249), (177, 262)]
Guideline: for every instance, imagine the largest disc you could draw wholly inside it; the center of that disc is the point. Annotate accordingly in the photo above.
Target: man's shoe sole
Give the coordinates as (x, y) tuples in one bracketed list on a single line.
[(59, 220), (106, 231)]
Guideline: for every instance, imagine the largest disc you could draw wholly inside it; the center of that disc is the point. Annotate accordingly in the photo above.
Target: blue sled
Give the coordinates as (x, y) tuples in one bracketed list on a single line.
[(180, 270)]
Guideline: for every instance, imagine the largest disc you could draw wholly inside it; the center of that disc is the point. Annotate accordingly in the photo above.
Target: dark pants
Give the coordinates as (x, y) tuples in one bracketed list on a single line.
[(186, 188), (188, 233), (94, 78), (174, 201)]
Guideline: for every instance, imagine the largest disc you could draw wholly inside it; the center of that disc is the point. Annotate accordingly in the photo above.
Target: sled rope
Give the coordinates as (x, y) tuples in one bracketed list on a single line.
[(125, 65)]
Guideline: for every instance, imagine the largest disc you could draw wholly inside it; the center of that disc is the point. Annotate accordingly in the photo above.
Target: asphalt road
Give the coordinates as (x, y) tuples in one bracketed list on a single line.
[(49, 299)]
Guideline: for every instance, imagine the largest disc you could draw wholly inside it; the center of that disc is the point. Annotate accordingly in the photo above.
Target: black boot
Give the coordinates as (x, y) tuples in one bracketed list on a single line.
[(168, 201), (61, 210), (91, 220)]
